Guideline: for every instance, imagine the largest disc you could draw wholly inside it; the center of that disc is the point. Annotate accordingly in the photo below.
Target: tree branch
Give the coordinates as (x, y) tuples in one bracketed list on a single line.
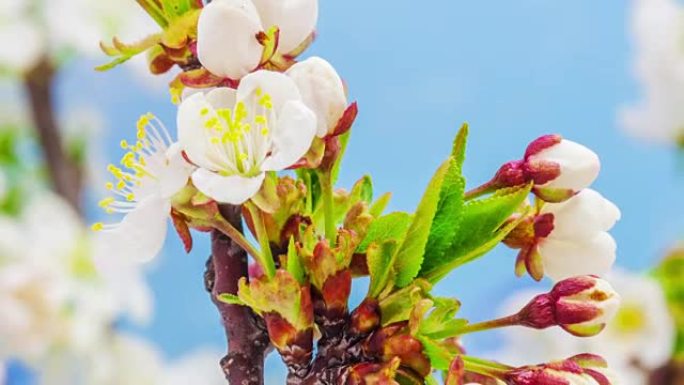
[(65, 175), (246, 334)]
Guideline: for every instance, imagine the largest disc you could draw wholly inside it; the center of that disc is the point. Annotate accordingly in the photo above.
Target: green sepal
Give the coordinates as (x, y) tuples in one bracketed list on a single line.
[(124, 52), (440, 356)]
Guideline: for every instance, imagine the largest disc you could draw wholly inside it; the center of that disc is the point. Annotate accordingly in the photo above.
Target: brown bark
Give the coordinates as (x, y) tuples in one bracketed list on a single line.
[(65, 175), (247, 338)]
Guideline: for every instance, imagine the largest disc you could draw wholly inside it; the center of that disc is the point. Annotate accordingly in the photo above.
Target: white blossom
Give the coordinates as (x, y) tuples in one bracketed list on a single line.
[(579, 243), (227, 31), (657, 30), (236, 136), (155, 170)]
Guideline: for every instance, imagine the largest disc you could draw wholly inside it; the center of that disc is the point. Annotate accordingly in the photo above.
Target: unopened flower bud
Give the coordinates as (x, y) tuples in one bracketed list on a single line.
[(581, 305), (322, 91), (558, 167), (583, 369)]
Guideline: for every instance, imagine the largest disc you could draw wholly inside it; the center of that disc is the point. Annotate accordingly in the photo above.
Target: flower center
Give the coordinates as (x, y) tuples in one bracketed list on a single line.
[(240, 137), (629, 319)]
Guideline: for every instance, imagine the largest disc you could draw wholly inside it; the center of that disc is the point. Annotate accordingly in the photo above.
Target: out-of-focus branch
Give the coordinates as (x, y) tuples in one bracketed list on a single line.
[(64, 173), (248, 341)]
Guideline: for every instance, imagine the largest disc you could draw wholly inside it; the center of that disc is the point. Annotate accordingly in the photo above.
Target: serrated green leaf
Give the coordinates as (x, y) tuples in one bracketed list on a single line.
[(480, 230), (440, 357), (409, 257), (230, 299), (379, 258), (392, 226), (294, 262), (448, 217)]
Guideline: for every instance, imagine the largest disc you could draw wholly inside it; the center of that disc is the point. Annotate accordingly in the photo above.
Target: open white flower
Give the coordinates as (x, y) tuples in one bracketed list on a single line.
[(322, 90), (642, 330), (155, 172), (235, 136), (227, 31), (578, 243)]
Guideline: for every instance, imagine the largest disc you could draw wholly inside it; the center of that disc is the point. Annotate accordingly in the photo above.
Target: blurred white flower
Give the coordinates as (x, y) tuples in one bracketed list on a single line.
[(236, 136), (155, 170), (579, 243), (55, 298), (227, 31), (658, 32), (32, 29)]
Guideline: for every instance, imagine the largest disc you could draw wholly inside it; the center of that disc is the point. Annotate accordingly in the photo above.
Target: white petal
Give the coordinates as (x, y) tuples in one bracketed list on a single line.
[(175, 175), (141, 234), (280, 87), (295, 18), (563, 259), (226, 38), (233, 189), (582, 216), (191, 130), (322, 91), (579, 165), (221, 97), (292, 136)]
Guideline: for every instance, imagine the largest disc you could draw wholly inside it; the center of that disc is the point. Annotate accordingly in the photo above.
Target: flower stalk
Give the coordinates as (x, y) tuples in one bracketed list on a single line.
[(228, 229), (491, 324), (328, 207), (265, 257)]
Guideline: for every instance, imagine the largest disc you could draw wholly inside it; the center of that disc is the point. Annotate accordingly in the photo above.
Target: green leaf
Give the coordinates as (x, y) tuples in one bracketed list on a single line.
[(230, 299), (397, 306), (378, 207), (294, 262), (409, 258), (392, 226), (440, 357), (480, 231), (448, 217), (379, 258)]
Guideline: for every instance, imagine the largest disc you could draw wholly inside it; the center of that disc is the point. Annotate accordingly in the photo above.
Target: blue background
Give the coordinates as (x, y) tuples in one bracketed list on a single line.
[(513, 70)]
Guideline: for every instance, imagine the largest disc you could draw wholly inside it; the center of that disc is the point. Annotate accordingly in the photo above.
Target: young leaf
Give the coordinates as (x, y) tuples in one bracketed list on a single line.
[(440, 357), (409, 258), (380, 204), (379, 257), (397, 306), (480, 231), (231, 299), (392, 226), (447, 219), (294, 262)]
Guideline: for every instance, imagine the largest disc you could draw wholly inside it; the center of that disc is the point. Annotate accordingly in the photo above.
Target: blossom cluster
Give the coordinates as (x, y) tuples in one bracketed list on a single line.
[(261, 132)]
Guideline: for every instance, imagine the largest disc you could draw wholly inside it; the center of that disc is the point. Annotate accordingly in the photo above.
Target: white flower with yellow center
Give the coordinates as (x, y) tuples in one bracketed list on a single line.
[(236, 136), (154, 170)]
